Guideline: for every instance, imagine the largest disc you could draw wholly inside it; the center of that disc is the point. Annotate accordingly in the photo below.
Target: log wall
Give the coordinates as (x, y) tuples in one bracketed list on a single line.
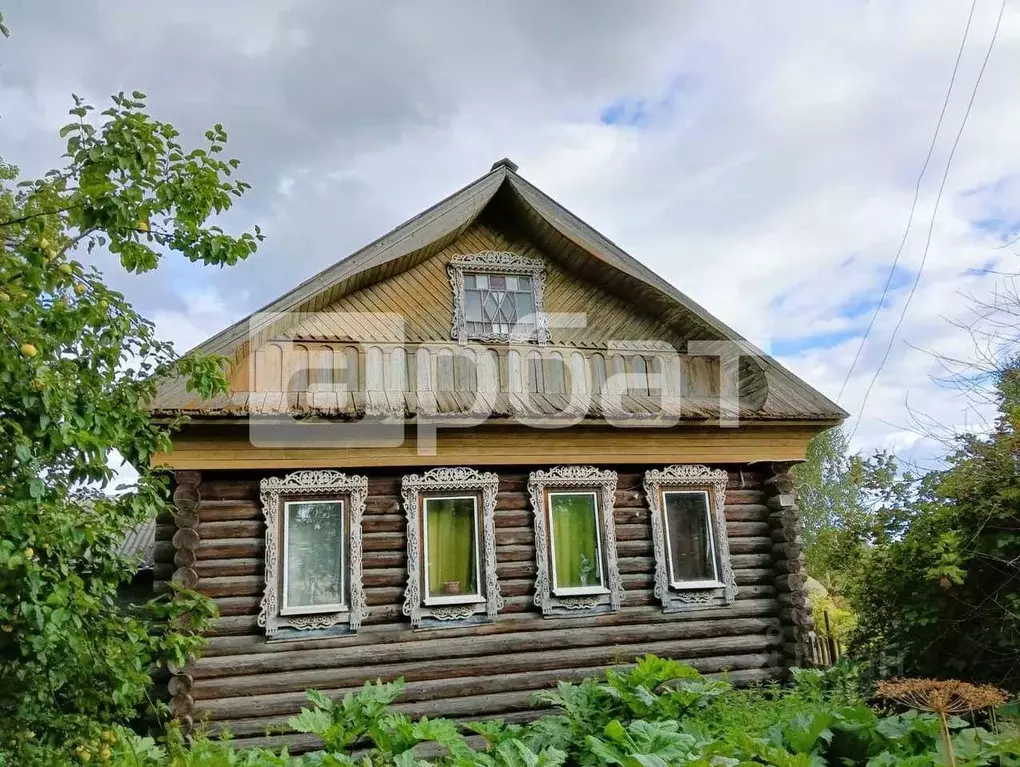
[(248, 684)]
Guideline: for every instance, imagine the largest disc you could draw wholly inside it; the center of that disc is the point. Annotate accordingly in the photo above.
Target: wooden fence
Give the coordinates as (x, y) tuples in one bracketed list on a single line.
[(825, 650)]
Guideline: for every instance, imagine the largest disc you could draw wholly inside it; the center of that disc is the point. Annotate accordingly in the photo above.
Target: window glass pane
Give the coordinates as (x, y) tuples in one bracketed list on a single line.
[(314, 554), (525, 307), (451, 541), (576, 557), (496, 303), (473, 305), (688, 537)]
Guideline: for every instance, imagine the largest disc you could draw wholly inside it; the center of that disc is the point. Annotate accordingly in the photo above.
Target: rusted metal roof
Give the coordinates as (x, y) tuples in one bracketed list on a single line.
[(141, 542)]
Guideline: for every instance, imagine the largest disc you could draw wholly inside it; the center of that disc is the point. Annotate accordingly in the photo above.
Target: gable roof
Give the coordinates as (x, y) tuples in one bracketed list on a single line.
[(558, 232)]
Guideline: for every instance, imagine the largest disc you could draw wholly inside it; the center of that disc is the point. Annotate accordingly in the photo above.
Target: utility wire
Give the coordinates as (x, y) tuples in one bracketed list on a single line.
[(913, 205), (934, 215)]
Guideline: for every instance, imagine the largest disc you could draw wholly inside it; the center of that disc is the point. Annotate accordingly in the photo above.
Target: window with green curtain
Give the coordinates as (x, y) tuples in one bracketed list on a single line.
[(314, 554), (452, 542), (577, 561), (689, 536)]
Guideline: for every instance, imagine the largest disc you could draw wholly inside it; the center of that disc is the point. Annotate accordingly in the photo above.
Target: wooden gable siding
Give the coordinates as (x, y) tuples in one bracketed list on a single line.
[(422, 295), (446, 367), (248, 684)]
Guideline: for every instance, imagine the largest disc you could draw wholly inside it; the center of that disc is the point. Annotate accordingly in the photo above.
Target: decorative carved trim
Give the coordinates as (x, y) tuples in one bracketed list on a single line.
[(322, 483), (574, 478), (439, 481), (498, 262), (690, 477), (453, 612), (579, 603)]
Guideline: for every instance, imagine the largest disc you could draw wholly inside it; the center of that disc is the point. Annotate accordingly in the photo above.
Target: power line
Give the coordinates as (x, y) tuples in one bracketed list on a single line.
[(934, 215), (913, 204)]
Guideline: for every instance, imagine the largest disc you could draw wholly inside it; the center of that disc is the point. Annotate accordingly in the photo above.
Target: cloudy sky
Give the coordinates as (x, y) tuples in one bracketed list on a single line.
[(761, 156)]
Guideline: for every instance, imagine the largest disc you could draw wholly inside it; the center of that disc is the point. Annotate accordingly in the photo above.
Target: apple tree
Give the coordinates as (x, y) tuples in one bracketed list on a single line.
[(77, 365)]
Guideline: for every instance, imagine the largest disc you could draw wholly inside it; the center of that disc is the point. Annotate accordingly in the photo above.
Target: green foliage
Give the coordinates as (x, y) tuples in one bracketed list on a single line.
[(803, 726), (77, 364), (642, 744), (943, 598), (655, 689), (835, 520)]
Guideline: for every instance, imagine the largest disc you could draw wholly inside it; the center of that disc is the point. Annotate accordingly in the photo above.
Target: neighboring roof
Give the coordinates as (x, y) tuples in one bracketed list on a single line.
[(559, 233), (141, 542)]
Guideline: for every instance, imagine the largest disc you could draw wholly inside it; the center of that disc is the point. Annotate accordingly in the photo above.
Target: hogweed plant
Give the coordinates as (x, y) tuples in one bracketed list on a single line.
[(944, 698)]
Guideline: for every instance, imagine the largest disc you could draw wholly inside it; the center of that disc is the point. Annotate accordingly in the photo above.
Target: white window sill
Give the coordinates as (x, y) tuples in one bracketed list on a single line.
[(580, 591), (313, 610), (689, 585), (460, 599)]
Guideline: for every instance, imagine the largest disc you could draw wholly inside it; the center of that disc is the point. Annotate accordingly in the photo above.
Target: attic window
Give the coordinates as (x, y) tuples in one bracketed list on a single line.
[(498, 304), (498, 296)]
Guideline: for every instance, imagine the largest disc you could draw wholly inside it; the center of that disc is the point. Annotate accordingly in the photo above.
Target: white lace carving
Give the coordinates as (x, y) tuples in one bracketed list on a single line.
[(690, 476), (450, 479), (499, 262), (324, 482), (579, 478)]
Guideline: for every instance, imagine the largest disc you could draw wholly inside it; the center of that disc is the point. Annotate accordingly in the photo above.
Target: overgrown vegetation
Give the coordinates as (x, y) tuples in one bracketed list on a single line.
[(657, 714), (929, 564), (77, 364)]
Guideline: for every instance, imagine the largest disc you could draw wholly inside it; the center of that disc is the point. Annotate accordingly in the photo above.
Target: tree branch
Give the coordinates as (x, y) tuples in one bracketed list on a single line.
[(30, 216)]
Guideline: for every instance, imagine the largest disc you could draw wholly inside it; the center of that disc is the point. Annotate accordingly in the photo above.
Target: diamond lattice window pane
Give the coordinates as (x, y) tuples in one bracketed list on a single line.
[(496, 304)]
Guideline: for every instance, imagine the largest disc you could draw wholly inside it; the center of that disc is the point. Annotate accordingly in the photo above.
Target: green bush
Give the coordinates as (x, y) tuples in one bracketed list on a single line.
[(657, 714), (943, 599)]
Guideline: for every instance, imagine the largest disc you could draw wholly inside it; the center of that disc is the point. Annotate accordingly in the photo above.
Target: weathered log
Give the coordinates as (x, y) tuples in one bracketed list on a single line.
[(746, 512), (214, 568), (185, 577), (751, 545), (513, 518), (227, 642), (274, 704), (187, 519), (514, 500), (472, 646), (232, 586), (185, 557), (747, 529), (233, 528), (387, 505), (179, 684), (443, 668), (230, 548), (226, 511)]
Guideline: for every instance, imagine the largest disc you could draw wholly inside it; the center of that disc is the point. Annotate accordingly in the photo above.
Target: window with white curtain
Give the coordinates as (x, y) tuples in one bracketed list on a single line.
[(313, 553), (692, 567)]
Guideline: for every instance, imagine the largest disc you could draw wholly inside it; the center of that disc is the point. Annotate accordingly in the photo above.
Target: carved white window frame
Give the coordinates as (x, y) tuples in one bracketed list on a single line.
[(578, 479), (505, 263), (446, 482), (324, 485), (691, 595)]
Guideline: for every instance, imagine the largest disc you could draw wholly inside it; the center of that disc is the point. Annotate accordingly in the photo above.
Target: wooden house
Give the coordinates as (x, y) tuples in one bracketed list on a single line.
[(487, 452)]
